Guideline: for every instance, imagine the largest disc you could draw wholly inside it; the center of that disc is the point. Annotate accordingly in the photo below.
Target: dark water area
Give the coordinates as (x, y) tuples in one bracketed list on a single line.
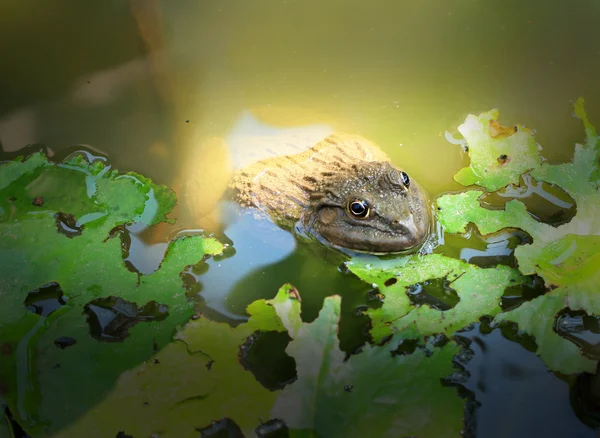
[(151, 85)]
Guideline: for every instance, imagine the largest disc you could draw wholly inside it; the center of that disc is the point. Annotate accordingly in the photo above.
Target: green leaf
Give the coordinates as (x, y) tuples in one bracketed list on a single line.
[(14, 170), (371, 394), (478, 289), (86, 265), (537, 318), (498, 160), (565, 256), (188, 384), (590, 131)]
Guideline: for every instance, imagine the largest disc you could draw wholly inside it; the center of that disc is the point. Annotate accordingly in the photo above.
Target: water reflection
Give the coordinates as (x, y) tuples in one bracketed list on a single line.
[(581, 329), (258, 244), (518, 397)]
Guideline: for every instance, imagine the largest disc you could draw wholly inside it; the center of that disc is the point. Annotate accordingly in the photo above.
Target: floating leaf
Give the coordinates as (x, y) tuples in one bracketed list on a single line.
[(189, 383), (499, 155), (372, 393), (566, 257), (85, 266), (478, 289)]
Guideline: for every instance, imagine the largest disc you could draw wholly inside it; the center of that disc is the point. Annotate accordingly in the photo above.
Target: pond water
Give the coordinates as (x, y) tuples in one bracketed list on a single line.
[(189, 90)]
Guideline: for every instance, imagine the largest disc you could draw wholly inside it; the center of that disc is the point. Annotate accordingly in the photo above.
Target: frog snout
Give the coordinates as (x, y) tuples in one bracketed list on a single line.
[(399, 226)]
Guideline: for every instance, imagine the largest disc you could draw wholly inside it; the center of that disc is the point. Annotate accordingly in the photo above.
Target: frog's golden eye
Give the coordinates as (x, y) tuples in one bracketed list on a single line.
[(358, 209)]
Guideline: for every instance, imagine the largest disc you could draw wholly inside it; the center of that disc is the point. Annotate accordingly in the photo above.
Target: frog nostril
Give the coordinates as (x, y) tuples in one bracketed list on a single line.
[(399, 226)]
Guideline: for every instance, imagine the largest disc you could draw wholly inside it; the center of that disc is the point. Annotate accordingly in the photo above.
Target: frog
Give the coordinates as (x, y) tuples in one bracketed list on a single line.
[(344, 192)]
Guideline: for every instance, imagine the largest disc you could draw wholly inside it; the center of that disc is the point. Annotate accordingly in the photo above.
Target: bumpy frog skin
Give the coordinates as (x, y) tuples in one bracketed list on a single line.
[(344, 192)]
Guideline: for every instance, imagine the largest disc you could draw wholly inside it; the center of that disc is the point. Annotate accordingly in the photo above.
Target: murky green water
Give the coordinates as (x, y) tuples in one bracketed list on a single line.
[(152, 84)]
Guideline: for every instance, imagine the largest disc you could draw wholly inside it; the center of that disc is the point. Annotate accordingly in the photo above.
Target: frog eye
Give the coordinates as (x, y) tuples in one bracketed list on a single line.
[(358, 209), (405, 179)]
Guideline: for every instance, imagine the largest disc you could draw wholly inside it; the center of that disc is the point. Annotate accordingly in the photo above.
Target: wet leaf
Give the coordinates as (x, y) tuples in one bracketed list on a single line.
[(371, 394), (479, 290), (537, 318), (15, 169), (566, 257), (189, 383), (499, 155), (199, 379), (85, 267)]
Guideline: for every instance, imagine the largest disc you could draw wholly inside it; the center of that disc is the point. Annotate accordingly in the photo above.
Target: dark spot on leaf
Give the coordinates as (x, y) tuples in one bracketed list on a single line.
[(503, 159), (273, 428), (122, 434), (210, 364), (64, 342), (516, 295), (224, 428), (435, 293), (67, 224), (375, 295), (12, 199), (111, 318), (263, 354), (391, 281), (348, 388), (46, 299), (187, 121), (552, 286), (38, 201)]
